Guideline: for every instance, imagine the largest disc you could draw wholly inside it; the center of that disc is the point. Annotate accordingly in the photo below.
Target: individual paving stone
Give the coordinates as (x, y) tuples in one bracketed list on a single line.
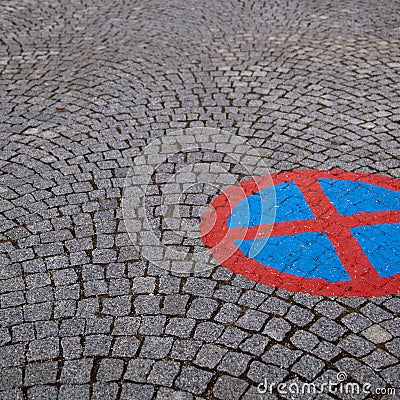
[(14, 299), (202, 308), (393, 346), (252, 320), (64, 277), (42, 393), (228, 293), (125, 346), (95, 288), (380, 359), (209, 356), (118, 287), (38, 312), (277, 328), (92, 272), (72, 347), (76, 372), (98, 325), (329, 309), (281, 356), (97, 345), (64, 308), (175, 304), (102, 256), (72, 327), (185, 349), (243, 282), (43, 349), (251, 299), (156, 347), (299, 316), (255, 344), (126, 326), (375, 313), (110, 370), (10, 378), (222, 274), (234, 363), (228, 313), (259, 372), (87, 307), (23, 333), (193, 380), (229, 388), (376, 334), (208, 331), (142, 284), (104, 391), (145, 304), (164, 373), (180, 327), (138, 369), (41, 373), (136, 391), (307, 300), (391, 376), (232, 337), (356, 345), (170, 394), (393, 304), (356, 322), (392, 326), (199, 287), (169, 285), (304, 340), (11, 316), (308, 367), (328, 329), (152, 325), (117, 306), (326, 351)]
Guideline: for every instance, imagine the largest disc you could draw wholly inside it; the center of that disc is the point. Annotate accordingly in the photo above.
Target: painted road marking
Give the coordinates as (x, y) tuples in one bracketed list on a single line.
[(335, 233)]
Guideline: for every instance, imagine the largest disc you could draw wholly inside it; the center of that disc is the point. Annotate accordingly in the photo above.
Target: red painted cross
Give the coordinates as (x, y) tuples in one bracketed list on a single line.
[(364, 281)]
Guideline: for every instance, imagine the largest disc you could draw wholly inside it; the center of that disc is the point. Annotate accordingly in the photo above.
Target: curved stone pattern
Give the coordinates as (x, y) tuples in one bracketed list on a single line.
[(86, 85)]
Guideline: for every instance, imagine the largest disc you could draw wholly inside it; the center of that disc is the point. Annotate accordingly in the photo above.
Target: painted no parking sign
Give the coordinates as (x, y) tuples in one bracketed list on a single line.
[(332, 233)]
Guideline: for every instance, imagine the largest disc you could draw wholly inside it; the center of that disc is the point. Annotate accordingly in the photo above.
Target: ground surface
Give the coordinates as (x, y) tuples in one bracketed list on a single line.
[(85, 85)]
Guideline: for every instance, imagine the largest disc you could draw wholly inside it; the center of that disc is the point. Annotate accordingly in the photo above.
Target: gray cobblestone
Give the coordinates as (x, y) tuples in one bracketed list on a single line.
[(164, 373), (76, 371), (310, 85), (43, 349), (110, 370), (156, 347), (234, 363), (308, 367), (194, 380), (125, 346), (228, 387), (252, 320), (138, 370)]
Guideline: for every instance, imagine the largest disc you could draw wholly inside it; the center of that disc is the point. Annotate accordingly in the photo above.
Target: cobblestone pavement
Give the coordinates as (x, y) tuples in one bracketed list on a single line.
[(86, 85)]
